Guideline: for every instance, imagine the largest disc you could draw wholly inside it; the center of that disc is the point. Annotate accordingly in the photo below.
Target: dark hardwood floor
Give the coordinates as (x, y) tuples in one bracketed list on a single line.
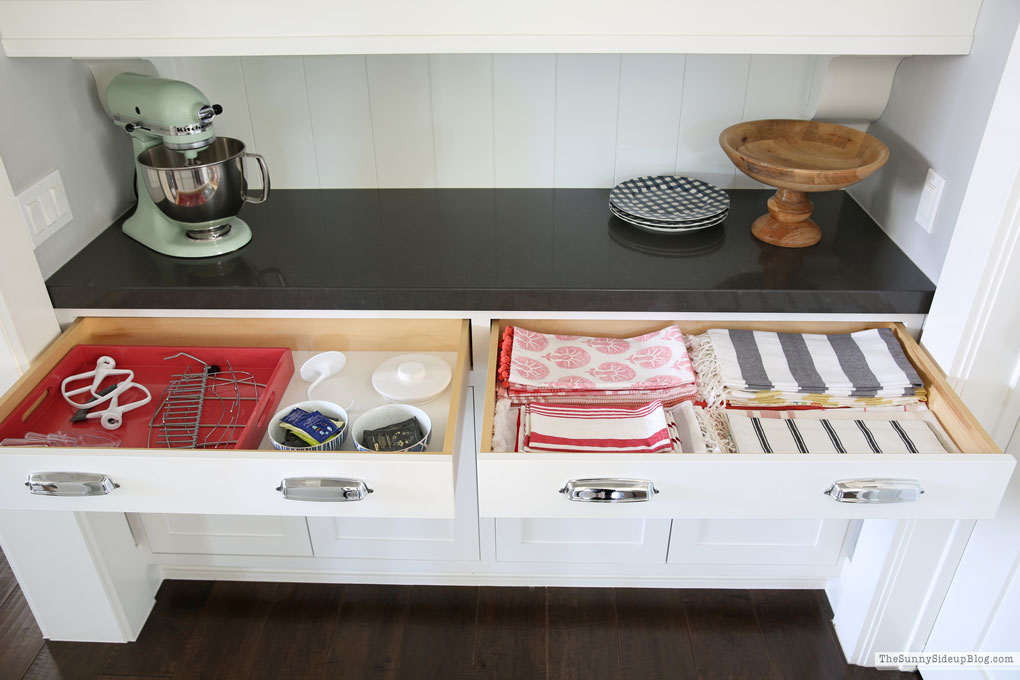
[(227, 630)]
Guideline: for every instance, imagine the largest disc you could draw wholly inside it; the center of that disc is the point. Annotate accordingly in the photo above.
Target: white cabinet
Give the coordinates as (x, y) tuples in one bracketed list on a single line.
[(777, 547), (784, 485), (407, 538), (226, 534), (237, 482), (394, 539), (139, 28), (583, 541), (817, 542)]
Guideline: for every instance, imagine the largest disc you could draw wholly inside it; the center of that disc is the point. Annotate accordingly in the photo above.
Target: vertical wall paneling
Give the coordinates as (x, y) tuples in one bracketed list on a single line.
[(220, 79), (778, 86), (278, 100), (399, 90), (501, 120), (166, 67), (524, 119), (651, 94), (341, 121), (714, 86), (587, 98), (462, 119)]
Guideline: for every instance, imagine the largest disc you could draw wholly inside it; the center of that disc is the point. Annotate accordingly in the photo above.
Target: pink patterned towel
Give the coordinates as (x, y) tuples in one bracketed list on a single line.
[(654, 360), (643, 429)]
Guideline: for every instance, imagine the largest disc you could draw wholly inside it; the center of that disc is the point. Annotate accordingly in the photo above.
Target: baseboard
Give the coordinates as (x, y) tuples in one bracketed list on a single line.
[(475, 579)]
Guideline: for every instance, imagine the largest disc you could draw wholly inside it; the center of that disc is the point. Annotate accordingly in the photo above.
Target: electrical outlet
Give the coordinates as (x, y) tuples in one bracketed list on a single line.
[(931, 196), (45, 208)]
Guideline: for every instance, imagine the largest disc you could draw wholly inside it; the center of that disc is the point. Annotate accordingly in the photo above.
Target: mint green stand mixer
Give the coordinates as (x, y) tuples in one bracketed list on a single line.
[(191, 184)]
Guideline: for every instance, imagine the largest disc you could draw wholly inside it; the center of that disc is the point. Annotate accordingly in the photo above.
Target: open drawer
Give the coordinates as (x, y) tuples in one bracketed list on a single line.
[(245, 482), (967, 485)]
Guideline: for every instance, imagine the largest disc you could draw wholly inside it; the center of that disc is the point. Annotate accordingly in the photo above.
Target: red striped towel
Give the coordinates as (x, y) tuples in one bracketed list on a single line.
[(642, 429)]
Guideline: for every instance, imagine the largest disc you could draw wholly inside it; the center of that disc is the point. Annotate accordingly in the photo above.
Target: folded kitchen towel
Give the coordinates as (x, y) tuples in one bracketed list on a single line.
[(868, 363), (670, 396), (551, 427), (655, 361), (771, 432), (774, 399)]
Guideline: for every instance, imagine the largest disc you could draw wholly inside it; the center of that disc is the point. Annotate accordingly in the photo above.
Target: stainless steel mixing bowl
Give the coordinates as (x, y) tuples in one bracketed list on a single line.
[(211, 187)]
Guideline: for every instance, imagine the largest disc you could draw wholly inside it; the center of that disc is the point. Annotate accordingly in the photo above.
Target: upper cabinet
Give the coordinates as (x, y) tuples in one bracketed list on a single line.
[(155, 28)]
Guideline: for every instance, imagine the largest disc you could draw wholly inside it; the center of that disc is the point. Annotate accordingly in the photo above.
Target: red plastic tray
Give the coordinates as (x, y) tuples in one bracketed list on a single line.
[(46, 411)]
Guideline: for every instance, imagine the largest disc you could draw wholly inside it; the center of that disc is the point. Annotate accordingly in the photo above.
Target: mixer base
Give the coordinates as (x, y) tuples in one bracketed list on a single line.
[(172, 238), (217, 232)]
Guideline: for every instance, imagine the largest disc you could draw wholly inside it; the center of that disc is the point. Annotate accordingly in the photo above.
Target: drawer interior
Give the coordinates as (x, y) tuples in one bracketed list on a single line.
[(364, 339), (958, 422)]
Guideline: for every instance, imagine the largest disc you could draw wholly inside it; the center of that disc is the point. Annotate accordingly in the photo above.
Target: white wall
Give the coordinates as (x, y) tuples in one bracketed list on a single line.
[(27, 321), (52, 120), (935, 118), (493, 120)]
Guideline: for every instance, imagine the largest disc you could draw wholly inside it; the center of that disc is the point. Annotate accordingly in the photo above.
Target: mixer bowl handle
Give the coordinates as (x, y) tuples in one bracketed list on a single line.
[(265, 178)]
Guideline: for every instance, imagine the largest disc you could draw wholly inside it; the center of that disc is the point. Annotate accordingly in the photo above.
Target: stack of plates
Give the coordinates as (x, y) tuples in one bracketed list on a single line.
[(668, 204)]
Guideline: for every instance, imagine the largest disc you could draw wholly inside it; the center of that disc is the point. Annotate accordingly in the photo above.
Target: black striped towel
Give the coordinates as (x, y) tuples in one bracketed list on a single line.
[(868, 363), (772, 433)]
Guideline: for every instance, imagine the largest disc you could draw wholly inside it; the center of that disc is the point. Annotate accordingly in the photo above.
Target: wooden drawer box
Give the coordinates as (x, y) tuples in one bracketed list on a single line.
[(245, 482), (967, 485)]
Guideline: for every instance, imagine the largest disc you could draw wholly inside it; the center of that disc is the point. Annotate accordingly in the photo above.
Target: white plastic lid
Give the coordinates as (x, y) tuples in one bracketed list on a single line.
[(412, 378)]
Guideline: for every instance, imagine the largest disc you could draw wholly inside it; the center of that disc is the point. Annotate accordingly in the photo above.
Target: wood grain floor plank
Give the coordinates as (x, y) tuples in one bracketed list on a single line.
[(824, 606), (161, 643), (132, 677), (69, 661), (299, 628), (439, 633), (223, 643), (583, 637), (20, 638), (368, 633), (510, 633), (863, 673), (799, 644), (7, 581), (725, 636), (654, 639)]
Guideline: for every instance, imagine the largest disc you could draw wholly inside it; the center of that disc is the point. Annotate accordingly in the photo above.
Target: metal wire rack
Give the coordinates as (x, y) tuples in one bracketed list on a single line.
[(201, 408)]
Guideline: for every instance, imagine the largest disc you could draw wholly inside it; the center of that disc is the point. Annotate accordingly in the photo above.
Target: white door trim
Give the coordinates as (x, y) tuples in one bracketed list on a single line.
[(984, 238)]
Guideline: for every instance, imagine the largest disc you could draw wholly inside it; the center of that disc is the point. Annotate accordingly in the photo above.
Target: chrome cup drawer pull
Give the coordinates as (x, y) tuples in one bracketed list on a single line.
[(875, 490), (70, 484), (323, 489), (609, 490)]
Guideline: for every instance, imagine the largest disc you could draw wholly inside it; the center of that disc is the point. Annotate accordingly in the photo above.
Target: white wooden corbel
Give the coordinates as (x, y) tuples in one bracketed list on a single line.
[(851, 90)]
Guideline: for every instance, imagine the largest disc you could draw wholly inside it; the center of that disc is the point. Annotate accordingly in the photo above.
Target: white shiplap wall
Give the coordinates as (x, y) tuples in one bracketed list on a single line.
[(507, 120)]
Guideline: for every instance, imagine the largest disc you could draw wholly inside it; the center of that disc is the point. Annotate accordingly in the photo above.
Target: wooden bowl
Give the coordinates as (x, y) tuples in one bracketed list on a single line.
[(798, 156)]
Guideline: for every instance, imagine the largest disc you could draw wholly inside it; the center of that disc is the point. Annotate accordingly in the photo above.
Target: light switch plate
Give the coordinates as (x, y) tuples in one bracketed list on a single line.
[(931, 196), (45, 208)]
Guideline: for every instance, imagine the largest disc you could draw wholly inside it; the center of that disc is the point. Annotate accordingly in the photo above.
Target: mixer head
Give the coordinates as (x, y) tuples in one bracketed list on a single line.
[(158, 109)]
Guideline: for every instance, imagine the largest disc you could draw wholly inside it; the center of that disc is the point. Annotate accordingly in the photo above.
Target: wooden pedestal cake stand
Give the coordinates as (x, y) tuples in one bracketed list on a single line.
[(796, 157)]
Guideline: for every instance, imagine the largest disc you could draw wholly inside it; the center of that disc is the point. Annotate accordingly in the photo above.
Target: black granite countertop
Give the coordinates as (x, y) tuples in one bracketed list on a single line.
[(502, 250)]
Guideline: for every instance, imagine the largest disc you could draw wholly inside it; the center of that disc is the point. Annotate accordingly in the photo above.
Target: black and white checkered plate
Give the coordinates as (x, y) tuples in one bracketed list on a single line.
[(665, 228), (669, 198)]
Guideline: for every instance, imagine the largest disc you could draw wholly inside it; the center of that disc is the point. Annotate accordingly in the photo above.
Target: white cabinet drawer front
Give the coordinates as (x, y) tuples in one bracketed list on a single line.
[(968, 485), (233, 482), (227, 534), (753, 541), (394, 539), (586, 541), (744, 486)]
